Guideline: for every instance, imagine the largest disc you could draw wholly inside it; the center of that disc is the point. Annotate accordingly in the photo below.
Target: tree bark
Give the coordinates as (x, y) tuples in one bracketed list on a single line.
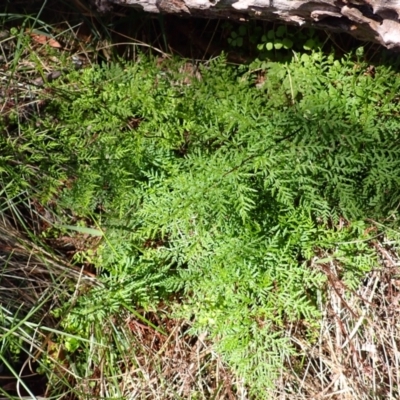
[(371, 20)]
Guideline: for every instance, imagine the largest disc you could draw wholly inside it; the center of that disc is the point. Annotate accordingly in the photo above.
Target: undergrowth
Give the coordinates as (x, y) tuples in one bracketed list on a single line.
[(216, 192)]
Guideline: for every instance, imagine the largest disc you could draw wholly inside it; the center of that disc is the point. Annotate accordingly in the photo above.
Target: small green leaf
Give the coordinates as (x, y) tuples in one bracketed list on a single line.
[(305, 58), (269, 46), (280, 32), (309, 45), (360, 51), (83, 229), (287, 43), (271, 34), (71, 344), (242, 30), (278, 44), (239, 42)]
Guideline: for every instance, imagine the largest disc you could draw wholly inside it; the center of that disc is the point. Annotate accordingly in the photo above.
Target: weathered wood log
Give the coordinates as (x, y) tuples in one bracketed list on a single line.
[(371, 20)]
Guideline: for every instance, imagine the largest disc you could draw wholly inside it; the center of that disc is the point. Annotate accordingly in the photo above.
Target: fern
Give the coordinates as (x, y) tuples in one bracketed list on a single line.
[(218, 190)]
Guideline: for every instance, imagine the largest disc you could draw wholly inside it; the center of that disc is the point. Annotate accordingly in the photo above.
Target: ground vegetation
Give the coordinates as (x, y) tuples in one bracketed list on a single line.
[(177, 227)]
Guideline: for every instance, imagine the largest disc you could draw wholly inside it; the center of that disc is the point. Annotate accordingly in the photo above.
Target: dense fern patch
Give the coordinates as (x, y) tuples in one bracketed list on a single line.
[(219, 189)]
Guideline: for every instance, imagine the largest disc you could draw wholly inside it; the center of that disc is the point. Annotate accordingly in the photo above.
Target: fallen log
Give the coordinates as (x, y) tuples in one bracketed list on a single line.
[(368, 20)]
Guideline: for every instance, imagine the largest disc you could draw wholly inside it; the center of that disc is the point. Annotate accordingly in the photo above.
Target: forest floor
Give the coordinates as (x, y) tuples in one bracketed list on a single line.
[(154, 352)]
